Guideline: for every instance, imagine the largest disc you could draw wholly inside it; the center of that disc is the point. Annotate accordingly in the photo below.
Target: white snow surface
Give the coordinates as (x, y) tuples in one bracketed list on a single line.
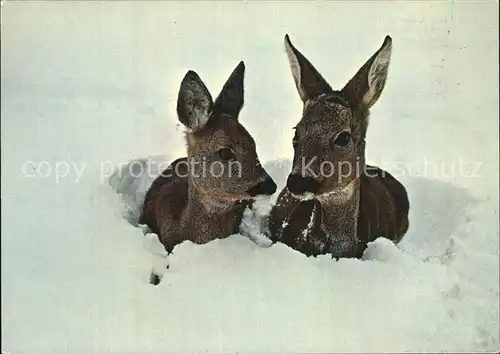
[(90, 86)]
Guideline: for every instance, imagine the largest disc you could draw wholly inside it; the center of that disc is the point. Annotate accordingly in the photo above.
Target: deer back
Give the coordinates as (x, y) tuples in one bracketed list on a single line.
[(384, 207), (171, 182)]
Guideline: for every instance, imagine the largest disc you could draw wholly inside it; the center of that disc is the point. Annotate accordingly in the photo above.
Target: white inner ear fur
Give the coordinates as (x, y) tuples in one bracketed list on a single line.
[(198, 104), (295, 66), (377, 75)]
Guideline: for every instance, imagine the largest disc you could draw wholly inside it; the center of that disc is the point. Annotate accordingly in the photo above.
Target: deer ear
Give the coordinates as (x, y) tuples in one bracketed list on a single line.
[(308, 80), (367, 85), (230, 100), (194, 102)]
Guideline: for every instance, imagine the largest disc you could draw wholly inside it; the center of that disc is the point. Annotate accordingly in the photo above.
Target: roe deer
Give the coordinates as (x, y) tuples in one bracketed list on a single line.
[(333, 202), (202, 197)]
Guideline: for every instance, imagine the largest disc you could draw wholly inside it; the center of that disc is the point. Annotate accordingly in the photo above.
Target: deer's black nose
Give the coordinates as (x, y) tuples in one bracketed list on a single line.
[(300, 185), (268, 187)]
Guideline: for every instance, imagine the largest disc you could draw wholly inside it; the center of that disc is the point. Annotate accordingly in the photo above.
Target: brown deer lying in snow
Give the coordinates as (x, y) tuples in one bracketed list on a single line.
[(202, 197), (333, 202)]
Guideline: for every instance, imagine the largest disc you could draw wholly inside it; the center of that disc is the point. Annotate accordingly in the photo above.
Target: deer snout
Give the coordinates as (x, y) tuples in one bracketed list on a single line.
[(300, 185), (267, 187)]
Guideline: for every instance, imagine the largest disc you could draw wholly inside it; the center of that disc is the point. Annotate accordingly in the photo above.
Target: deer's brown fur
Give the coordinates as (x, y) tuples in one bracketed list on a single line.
[(334, 202), (202, 197)]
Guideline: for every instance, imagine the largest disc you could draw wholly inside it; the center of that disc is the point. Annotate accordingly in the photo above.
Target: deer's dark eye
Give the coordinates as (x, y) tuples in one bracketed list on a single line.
[(226, 154), (342, 139)]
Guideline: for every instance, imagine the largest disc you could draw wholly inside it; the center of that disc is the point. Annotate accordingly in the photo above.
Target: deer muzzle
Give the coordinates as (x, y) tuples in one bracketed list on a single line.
[(267, 187), (299, 185)]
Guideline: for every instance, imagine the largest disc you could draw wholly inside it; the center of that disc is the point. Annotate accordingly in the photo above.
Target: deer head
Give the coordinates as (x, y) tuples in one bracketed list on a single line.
[(222, 157), (329, 141)]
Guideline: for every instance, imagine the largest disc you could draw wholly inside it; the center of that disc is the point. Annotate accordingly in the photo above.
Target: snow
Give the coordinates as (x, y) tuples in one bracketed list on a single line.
[(307, 230), (88, 87)]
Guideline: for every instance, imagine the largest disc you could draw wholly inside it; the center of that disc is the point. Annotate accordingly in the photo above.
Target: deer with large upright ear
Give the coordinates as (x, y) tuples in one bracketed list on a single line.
[(333, 202), (202, 197)]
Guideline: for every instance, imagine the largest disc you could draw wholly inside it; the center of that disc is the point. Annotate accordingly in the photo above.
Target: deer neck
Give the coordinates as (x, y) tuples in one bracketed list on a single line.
[(206, 218), (200, 202), (339, 219)]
